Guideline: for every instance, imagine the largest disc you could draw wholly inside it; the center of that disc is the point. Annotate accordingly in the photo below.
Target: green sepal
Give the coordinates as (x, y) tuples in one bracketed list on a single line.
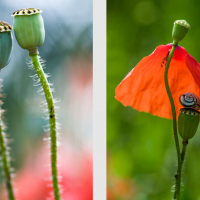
[(188, 122), (179, 31), (29, 30)]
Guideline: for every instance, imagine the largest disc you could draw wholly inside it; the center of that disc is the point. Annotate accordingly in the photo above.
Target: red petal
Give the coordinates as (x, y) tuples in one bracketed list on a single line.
[(194, 68), (144, 89)]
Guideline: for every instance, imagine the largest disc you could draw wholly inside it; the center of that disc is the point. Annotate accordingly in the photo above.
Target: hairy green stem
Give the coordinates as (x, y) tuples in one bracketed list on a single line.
[(183, 151), (5, 162), (178, 176), (182, 159), (52, 120)]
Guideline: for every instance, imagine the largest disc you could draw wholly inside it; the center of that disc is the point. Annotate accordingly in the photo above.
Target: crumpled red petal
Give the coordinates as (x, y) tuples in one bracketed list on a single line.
[(144, 90)]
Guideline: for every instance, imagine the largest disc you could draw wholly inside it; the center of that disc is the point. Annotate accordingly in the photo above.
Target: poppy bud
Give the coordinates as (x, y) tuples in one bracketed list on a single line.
[(188, 121), (29, 28), (180, 29), (6, 43)]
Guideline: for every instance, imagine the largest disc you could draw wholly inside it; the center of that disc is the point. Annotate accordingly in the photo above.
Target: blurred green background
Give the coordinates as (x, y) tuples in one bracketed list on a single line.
[(140, 147), (68, 53)]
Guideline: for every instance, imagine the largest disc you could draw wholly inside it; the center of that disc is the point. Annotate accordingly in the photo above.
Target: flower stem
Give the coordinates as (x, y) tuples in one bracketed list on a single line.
[(178, 176), (52, 120), (182, 157), (5, 161), (183, 151)]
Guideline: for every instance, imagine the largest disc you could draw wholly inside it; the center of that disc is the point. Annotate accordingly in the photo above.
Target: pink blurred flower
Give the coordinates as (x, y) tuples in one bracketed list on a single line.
[(33, 182)]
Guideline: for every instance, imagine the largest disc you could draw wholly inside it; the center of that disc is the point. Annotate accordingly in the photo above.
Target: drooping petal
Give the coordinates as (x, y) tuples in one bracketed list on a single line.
[(194, 68), (144, 89)]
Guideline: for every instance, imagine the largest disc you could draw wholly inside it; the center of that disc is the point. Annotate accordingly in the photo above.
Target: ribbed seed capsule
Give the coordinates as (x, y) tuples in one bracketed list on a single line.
[(6, 43), (188, 122), (180, 29), (29, 28)]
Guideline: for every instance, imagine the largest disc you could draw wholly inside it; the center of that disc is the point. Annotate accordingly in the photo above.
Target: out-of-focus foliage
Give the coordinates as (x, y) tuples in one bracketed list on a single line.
[(140, 147), (67, 50)]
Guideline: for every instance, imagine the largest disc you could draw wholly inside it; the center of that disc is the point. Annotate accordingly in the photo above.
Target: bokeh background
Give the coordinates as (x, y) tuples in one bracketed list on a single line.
[(68, 53), (141, 156)]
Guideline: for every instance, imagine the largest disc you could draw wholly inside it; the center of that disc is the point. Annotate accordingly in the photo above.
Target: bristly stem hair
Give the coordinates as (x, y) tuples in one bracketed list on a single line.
[(5, 157), (52, 120)]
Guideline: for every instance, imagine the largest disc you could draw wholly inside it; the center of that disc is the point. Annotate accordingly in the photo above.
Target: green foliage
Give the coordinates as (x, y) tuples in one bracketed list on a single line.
[(140, 146)]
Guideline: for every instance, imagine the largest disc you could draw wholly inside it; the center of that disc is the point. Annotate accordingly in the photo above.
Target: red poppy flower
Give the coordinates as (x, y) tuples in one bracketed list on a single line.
[(143, 88)]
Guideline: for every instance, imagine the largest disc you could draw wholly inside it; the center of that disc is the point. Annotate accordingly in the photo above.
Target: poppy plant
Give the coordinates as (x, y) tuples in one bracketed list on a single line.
[(156, 84), (144, 89)]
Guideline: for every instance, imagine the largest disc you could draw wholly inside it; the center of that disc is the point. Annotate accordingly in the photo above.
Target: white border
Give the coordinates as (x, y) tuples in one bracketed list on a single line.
[(99, 99)]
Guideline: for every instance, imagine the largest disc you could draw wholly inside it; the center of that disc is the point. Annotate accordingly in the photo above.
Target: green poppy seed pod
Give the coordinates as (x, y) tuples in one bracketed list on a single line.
[(179, 31), (6, 43), (188, 121), (29, 28)]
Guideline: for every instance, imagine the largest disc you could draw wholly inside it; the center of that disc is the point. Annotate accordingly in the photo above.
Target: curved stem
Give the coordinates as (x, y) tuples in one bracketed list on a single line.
[(5, 161), (52, 121), (178, 176)]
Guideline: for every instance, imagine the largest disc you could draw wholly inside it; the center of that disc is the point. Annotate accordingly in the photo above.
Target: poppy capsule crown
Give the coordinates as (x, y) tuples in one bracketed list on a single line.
[(179, 31), (29, 28), (6, 43)]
